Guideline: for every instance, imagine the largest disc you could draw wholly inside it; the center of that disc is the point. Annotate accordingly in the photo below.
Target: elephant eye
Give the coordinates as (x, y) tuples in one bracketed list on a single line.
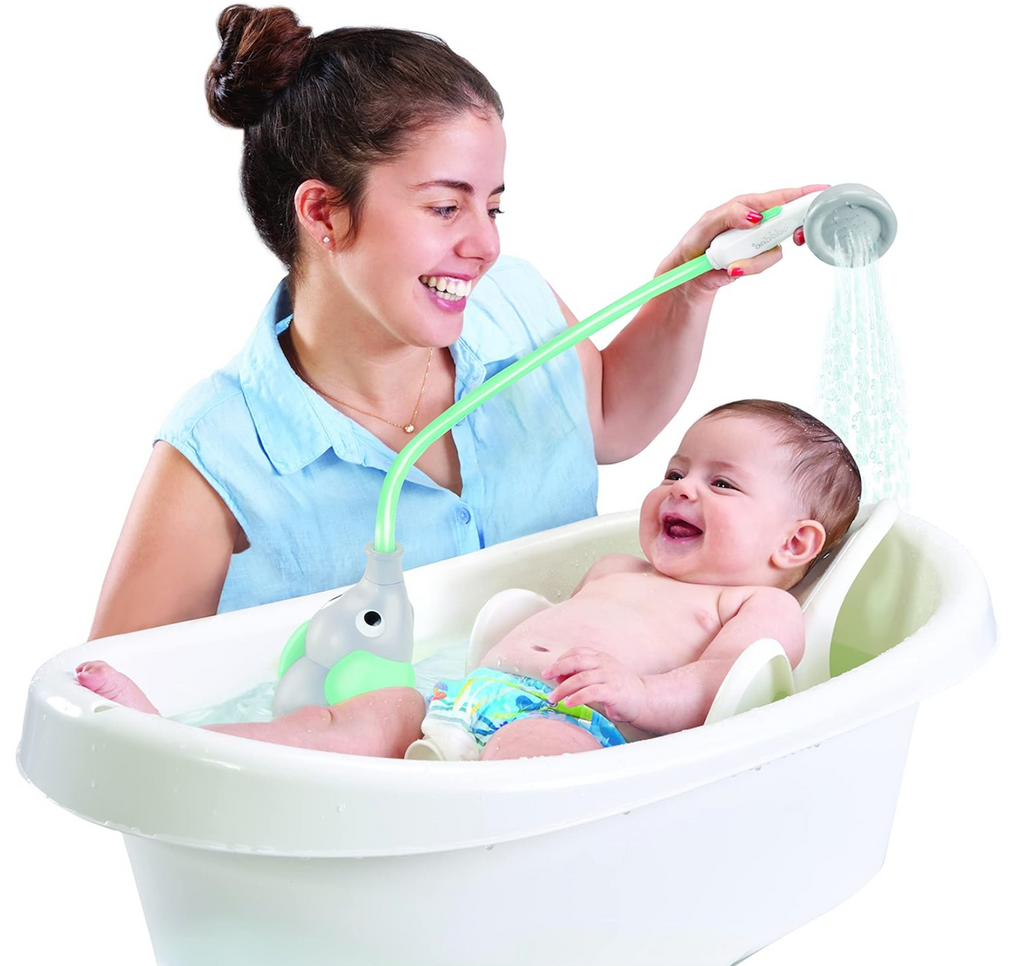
[(370, 623)]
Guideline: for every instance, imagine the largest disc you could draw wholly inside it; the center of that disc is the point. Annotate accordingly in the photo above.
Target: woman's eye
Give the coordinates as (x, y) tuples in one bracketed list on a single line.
[(446, 211), (494, 212)]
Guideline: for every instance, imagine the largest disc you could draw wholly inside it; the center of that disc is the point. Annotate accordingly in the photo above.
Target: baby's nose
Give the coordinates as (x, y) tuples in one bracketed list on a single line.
[(683, 488)]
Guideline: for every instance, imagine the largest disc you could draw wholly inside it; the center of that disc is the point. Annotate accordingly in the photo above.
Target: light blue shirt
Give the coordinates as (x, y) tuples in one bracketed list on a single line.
[(303, 480)]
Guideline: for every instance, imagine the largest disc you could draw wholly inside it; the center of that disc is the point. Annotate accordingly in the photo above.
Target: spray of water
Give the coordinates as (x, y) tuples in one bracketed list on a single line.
[(860, 388)]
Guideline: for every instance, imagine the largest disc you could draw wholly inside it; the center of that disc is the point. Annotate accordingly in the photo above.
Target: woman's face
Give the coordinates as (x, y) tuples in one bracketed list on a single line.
[(429, 215)]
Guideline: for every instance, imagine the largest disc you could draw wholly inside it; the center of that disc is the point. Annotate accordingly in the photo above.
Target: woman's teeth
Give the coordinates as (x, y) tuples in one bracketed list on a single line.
[(451, 289)]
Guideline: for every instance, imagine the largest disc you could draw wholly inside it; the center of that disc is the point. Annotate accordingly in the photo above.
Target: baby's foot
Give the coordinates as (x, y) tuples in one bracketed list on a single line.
[(100, 677)]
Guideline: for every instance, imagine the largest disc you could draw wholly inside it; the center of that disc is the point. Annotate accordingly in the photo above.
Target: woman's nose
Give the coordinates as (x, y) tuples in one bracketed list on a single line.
[(481, 239)]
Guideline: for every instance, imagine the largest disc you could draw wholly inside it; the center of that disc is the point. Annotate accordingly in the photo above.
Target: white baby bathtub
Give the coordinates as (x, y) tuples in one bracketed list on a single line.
[(694, 849)]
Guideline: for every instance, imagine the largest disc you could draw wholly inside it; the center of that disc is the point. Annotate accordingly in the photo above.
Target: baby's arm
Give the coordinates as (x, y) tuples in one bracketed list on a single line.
[(682, 698), (665, 703)]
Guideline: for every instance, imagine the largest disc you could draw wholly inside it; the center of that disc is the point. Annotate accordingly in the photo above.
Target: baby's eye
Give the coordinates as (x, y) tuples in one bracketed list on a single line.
[(672, 475), (722, 484), (446, 211)]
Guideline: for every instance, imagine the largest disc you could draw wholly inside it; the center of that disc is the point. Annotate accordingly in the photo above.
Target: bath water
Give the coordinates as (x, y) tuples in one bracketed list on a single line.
[(860, 389), (256, 704)]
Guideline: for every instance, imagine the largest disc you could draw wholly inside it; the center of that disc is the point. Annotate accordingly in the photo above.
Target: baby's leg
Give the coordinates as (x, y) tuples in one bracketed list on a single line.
[(382, 723), (534, 737)]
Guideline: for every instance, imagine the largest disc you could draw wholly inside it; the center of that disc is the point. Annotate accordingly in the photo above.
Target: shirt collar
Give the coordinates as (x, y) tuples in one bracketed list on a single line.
[(296, 426)]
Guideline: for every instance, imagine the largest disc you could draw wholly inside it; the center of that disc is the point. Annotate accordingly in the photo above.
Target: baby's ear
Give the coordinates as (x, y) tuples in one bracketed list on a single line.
[(801, 547)]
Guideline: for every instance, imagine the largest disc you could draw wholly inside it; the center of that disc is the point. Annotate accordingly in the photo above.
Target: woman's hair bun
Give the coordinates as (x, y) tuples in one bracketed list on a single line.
[(260, 54)]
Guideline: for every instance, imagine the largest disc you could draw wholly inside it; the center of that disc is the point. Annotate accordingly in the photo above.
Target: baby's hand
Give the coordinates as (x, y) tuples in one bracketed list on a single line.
[(586, 676)]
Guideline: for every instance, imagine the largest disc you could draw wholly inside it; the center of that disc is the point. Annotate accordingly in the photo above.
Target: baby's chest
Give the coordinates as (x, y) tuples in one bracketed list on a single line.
[(675, 620)]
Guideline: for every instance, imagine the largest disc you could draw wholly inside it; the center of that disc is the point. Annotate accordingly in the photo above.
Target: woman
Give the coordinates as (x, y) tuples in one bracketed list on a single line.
[(373, 168)]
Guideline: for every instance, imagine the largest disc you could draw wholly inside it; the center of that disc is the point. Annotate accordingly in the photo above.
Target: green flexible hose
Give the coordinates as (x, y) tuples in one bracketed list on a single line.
[(387, 507)]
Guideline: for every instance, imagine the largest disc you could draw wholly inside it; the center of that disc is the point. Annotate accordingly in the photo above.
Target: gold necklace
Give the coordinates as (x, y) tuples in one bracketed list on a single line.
[(409, 427)]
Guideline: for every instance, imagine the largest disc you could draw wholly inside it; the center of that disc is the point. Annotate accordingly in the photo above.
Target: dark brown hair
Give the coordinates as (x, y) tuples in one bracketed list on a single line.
[(825, 473), (328, 107)]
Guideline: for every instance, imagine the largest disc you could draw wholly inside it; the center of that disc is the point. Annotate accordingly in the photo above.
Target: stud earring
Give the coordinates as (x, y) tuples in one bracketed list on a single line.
[(327, 239)]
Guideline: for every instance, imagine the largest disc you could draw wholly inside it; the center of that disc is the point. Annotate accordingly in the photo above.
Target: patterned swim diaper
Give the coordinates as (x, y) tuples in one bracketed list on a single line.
[(487, 700)]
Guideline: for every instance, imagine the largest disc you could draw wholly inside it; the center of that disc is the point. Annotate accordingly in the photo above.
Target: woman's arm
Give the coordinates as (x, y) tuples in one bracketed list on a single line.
[(172, 556), (638, 382)]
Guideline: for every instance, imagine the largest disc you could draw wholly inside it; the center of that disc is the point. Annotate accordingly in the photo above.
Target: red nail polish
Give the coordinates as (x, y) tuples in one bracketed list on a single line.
[(735, 272), (754, 216), (799, 236)]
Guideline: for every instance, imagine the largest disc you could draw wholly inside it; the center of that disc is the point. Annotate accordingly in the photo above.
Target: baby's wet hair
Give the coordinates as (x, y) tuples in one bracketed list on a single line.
[(825, 474), (328, 107)]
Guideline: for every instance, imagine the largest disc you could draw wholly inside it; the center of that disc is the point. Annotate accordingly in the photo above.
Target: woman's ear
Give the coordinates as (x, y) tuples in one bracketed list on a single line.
[(325, 222), (801, 547)]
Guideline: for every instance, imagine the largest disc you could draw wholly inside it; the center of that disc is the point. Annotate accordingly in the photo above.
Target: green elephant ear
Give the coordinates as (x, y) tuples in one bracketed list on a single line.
[(361, 671), (293, 650)]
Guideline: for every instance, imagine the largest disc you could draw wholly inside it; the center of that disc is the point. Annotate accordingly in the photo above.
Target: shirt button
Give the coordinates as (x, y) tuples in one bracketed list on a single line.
[(462, 515)]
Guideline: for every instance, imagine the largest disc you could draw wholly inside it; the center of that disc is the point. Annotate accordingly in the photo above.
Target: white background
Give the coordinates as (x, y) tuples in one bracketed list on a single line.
[(133, 271)]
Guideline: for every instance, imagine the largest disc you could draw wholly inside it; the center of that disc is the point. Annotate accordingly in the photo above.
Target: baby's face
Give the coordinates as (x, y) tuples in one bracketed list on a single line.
[(725, 507)]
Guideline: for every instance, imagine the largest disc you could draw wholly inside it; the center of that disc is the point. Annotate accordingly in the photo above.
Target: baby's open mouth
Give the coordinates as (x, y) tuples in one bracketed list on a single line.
[(679, 528)]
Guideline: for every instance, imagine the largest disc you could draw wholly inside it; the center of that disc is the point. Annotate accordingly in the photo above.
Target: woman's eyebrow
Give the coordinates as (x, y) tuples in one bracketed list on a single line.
[(463, 186)]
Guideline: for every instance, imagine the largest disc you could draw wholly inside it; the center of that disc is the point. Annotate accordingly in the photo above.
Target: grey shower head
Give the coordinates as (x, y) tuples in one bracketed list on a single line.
[(846, 219)]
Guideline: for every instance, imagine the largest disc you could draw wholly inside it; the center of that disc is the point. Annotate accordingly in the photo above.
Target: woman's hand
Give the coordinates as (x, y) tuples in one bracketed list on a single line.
[(587, 676), (744, 211)]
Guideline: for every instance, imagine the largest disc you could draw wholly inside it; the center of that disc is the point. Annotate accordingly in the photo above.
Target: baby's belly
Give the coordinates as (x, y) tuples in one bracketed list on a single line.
[(537, 643), (529, 656)]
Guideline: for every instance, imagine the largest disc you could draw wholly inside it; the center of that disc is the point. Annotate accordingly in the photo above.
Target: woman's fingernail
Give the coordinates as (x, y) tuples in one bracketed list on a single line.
[(799, 236), (754, 216), (735, 272)]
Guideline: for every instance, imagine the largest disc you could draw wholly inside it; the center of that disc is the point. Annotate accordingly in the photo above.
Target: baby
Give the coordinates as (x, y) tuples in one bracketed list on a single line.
[(756, 492)]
